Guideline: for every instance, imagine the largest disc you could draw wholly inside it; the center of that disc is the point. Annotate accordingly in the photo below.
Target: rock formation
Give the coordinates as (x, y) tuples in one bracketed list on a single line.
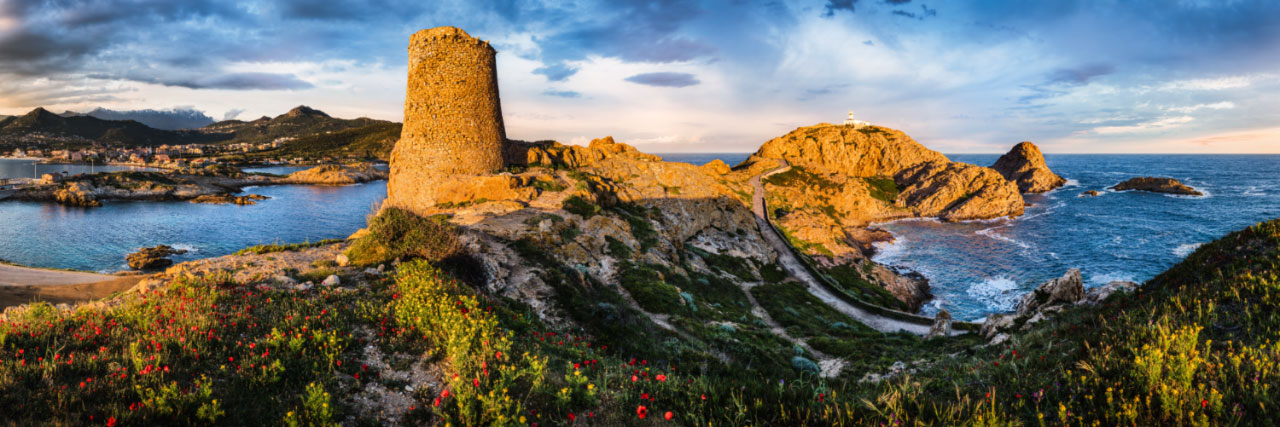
[(941, 325), (249, 199), (337, 175), (452, 117), (1024, 165), (1090, 193), (957, 192), (152, 258), (871, 151), (1157, 185), (1048, 299)]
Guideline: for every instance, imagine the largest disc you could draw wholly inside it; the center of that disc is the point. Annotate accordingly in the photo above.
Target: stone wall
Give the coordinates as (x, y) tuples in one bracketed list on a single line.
[(452, 117)]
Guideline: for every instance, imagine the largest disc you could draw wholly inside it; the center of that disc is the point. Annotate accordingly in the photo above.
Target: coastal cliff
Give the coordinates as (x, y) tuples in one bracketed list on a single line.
[(1024, 165)]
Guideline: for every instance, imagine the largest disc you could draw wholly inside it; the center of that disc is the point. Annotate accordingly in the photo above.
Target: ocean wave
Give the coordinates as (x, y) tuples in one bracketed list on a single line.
[(1115, 276), (1071, 182), (999, 293), (185, 247), (991, 232), (1253, 191), (890, 250), (1185, 249)]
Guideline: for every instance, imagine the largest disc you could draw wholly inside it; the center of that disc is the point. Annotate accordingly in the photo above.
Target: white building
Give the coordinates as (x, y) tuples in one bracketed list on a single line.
[(857, 124)]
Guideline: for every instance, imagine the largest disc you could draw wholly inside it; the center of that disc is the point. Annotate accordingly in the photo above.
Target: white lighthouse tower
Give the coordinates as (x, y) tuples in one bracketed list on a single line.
[(857, 124)]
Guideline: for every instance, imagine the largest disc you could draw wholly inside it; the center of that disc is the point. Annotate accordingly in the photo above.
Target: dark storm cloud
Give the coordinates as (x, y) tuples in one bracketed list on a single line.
[(664, 79)]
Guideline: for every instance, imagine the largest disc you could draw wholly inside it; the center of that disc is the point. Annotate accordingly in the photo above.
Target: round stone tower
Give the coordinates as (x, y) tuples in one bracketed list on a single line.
[(452, 116)]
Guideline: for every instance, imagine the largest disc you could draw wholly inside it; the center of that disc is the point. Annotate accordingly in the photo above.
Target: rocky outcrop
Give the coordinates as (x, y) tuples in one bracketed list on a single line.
[(1067, 289), (77, 194), (870, 151), (1048, 299), (1090, 193), (1024, 165), (957, 192), (249, 199), (337, 175), (941, 325), (1157, 185), (153, 258)]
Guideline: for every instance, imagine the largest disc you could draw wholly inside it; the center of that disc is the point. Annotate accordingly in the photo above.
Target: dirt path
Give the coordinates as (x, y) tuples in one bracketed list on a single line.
[(21, 285), (798, 271)]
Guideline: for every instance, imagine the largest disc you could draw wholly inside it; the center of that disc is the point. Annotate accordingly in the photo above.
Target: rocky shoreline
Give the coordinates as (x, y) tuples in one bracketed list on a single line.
[(214, 184)]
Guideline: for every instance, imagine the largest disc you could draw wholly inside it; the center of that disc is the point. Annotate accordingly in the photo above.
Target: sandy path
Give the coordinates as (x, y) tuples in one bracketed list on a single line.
[(798, 271), (21, 285)]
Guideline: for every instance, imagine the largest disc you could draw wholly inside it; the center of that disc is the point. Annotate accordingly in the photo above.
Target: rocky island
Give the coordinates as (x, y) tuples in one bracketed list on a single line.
[(1157, 185)]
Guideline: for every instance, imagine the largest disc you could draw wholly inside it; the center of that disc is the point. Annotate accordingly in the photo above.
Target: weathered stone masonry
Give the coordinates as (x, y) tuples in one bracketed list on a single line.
[(452, 117)]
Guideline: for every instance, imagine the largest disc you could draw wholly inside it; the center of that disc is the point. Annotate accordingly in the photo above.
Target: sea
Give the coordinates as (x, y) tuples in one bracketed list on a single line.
[(974, 268)]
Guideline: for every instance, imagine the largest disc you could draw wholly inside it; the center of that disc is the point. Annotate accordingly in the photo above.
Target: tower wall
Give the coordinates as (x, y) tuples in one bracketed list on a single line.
[(452, 116)]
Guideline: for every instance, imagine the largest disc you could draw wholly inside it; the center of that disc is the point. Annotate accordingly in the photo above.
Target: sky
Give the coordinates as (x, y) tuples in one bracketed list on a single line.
[(1073, 76)]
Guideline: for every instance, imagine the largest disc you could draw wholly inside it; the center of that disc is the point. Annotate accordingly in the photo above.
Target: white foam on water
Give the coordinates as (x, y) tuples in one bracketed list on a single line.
[(991, 232), (998, 293), (1071, 183), (889, 250), (1186, 249), (186, 247), (1115, 276), (1253, 191)]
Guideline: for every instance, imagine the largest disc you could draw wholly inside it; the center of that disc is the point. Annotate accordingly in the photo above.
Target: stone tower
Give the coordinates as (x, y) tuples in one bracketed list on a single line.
[(452, 116)]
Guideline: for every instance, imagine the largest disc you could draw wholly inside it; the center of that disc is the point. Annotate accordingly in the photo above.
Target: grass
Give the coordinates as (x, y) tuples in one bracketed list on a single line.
[(882, 188), (851, 281), (800, 177), (399, 234), (648, 287), (579, 206), (284, 247), (1194, 346)]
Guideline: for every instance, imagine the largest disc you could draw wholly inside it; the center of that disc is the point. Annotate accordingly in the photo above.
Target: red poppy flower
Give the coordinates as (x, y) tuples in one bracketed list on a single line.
[(660, 377), (668, 415), (641, 411)]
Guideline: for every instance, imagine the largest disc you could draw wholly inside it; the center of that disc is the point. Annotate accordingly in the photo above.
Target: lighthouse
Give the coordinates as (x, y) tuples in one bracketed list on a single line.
[(857, 124)]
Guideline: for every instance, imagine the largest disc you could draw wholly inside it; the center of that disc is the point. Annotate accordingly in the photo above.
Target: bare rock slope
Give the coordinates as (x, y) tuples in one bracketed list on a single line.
[(1024, 165)]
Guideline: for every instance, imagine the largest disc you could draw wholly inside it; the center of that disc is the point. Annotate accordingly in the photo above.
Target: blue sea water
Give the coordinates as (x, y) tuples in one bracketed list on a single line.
[(97, 239), (980, 267), (699, 159)]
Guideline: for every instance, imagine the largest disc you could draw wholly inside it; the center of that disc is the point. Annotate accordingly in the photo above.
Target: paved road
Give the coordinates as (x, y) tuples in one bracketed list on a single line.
[(798, 271)]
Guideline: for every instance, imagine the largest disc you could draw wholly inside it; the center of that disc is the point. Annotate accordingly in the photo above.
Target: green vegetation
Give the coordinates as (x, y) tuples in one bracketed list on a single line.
[(798, 176), (853, 283), (368, 141), (579, 206), (1196, 345), (287, 247), (882, 188), (399, 234)]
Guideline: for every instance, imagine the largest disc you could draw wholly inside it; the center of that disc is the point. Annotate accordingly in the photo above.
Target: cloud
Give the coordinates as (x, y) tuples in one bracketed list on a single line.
[(232, 114), (1079, 75), (562, 93), (1224, 105), (242, 81), (810, 94), (171, 119), (834, 6), (556, 72), (1214, 83), (1160, 124), (664, 79)]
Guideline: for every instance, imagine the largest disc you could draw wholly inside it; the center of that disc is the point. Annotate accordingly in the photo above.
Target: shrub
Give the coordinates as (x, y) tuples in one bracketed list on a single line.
[(649, 290), (579, 206), (396, 233)]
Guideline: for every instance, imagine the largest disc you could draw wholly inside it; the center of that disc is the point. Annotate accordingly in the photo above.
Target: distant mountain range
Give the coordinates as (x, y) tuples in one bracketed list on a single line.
[(310, 133), (173, 119)]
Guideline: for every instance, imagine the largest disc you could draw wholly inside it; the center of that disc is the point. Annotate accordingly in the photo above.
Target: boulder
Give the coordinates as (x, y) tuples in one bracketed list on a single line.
[(1090, 193), (332, 280), (1157, 185), (1024, 165), (1067, 289), (249, 199), (152, 258), (941, 325), (994, 323), (342, 260), (1101, 293)]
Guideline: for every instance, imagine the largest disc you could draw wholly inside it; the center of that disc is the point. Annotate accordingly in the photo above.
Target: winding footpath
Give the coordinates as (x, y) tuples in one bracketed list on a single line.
[(797, 270)]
